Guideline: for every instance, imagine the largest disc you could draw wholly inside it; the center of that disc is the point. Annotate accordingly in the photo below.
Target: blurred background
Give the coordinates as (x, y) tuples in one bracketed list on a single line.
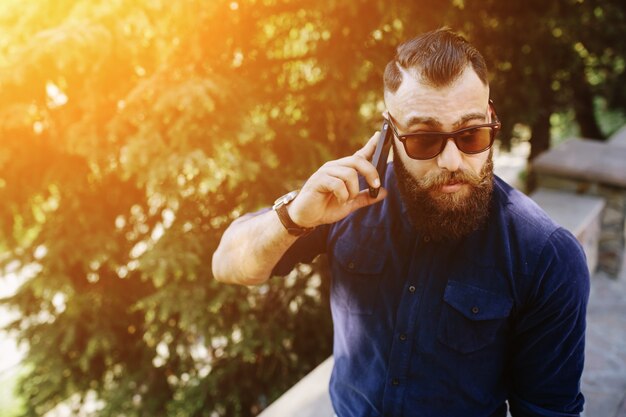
[(132, 132)]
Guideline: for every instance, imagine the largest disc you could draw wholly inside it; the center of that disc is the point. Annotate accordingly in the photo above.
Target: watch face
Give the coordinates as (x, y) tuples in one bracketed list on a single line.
[(290, 196), (285, 199)]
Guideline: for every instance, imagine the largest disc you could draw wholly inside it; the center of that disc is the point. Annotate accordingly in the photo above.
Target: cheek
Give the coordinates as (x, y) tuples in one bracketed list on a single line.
[(418, 169), (476, 162)]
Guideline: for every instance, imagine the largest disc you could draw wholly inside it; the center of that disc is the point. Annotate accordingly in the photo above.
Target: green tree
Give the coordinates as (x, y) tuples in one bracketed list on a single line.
[(549, 57), (133, 133)]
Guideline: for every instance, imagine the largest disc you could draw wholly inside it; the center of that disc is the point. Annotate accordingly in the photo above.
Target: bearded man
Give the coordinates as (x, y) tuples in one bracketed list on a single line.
[(452, 293)]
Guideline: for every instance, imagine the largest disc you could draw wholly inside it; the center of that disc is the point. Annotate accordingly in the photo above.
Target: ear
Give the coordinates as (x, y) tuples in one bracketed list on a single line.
[(490, 111)]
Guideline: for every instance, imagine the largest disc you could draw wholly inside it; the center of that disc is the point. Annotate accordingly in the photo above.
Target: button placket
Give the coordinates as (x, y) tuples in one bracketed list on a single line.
[(404, 332), (400, 354)]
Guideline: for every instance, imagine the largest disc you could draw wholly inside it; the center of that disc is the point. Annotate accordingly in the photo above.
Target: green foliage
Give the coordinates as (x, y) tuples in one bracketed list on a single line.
[(134, 132), (550, 57), (11, 405)]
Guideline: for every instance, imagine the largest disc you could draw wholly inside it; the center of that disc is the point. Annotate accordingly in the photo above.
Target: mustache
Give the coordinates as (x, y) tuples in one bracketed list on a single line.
[(443, 177)]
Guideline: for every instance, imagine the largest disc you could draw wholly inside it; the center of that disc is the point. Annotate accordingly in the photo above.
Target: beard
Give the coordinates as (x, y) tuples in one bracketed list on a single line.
[(446, 216)]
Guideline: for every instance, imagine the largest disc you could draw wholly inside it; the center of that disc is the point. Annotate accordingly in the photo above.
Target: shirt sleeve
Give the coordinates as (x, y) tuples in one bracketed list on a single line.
[(549, 334), (304, 250)]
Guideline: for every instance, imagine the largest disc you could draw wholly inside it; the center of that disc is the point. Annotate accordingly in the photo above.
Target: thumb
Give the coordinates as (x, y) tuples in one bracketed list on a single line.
[(363, 199)]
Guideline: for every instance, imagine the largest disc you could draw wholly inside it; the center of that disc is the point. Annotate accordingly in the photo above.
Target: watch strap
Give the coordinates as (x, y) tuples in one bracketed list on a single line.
[(283, 215)]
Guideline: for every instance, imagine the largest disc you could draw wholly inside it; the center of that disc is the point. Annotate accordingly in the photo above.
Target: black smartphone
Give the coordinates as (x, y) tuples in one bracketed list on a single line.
[(381, 154)]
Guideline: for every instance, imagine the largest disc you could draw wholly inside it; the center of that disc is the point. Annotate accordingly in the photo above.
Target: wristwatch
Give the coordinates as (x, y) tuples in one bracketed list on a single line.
[(280, 207)]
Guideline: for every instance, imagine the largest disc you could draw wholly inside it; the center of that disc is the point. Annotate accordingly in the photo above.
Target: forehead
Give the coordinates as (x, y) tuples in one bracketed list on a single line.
[(448, 104)]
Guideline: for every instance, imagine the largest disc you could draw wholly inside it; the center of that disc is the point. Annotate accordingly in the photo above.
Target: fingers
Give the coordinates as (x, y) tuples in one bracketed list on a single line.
[(339, 181), (348, 175), (336, 186), (341, 178), (343, 182), (364, 199), (361, 163), (360, 166), (344, 187)]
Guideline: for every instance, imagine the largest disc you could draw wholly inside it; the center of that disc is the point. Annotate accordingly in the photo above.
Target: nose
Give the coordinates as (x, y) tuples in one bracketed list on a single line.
[(450, 158)]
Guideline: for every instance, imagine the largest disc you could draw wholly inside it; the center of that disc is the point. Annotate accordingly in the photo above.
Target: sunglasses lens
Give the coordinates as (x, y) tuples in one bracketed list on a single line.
[(474, 140), (429, 145), (424, 145)]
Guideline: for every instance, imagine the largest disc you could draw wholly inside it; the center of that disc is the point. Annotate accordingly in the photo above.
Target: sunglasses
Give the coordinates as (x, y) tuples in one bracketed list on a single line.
[(469, 140)]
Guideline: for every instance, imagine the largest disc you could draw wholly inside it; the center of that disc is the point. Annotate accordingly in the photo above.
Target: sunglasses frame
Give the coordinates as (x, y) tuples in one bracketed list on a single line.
[(495, 126)]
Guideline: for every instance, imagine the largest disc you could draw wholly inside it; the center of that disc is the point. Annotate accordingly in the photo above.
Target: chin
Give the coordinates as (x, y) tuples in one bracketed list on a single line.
[(449, 215)]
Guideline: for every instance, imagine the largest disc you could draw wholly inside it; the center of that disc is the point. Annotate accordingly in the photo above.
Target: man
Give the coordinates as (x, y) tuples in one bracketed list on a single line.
[(452, 293)]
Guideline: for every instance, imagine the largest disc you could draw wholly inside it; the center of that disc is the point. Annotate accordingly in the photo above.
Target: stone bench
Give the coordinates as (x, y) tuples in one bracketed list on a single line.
[(595, 169), (618, 138), (308, 398), (580, 214)]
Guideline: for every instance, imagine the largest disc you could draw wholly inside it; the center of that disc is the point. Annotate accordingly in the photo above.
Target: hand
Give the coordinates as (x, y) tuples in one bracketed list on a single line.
[(332, 192)]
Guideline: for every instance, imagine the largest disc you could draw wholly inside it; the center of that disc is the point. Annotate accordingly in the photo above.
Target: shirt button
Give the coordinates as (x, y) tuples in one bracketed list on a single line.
[(426, 239), (475, 310), (412, 288), (403, 337), (395, 381), (351, 265)]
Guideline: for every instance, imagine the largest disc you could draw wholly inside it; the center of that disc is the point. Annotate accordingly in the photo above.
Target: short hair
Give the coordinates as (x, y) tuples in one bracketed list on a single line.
[(439, 57)]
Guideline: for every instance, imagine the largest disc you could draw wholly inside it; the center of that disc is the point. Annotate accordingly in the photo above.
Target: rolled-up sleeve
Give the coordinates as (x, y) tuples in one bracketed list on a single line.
[(304, 250), (549, 334)]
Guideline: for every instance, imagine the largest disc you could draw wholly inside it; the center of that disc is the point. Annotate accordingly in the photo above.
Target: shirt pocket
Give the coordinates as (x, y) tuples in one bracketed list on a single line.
[(471, 317), (357, 272)]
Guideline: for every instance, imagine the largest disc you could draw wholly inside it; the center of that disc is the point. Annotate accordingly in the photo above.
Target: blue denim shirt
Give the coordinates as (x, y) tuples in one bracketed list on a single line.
[(424, 328)]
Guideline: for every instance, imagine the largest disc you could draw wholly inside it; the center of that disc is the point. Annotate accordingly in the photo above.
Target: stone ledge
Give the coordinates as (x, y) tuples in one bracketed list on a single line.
[(580, 214), (618, 138), (308, 398)]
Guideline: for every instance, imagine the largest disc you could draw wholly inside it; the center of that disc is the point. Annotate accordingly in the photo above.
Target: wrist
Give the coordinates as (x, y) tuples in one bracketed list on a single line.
[(294, 214), (282, 208)]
